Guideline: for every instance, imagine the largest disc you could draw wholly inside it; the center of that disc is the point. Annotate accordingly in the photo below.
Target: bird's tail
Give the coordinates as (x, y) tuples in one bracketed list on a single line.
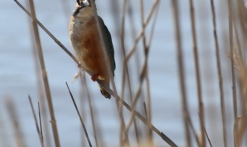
[(104, 92)]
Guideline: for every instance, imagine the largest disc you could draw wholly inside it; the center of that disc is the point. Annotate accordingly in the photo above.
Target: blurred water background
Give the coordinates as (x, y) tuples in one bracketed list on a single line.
[(18, 76)]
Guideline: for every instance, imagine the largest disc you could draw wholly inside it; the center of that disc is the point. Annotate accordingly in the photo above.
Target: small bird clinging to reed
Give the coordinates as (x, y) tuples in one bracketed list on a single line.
[(88, 46)]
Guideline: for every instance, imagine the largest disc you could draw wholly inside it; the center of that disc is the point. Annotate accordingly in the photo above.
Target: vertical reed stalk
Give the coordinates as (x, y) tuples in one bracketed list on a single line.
[(240, 122), (241, 127), (217, 53), (44, 75), (40, 87), (180, 62), (198, 76), (234, 94)]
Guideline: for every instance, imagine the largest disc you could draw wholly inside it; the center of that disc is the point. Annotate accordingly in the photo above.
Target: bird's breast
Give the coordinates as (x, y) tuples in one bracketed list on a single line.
[(85, 41)]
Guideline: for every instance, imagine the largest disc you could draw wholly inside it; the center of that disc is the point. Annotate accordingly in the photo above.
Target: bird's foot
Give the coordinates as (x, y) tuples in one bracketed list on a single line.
[(95, 77)]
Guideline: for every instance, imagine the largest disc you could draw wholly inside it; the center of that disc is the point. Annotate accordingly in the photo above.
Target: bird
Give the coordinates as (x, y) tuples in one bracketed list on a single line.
[(89, 46)]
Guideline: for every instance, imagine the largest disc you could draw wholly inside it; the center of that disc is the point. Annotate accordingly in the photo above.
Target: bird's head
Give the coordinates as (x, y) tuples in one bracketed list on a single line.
[(80, 5)]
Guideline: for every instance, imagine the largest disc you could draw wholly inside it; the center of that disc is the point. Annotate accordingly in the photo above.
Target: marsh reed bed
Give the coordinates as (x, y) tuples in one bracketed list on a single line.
[(180, 78)]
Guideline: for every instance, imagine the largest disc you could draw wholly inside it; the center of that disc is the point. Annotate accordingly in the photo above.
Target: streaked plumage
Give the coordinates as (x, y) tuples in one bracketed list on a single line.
[(87, 44)]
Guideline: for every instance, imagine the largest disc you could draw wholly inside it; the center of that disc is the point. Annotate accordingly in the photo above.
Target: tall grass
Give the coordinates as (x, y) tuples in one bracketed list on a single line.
[(195, 130)]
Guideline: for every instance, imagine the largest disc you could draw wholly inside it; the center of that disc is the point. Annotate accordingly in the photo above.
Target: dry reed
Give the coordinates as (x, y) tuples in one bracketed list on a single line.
[(44, 74)]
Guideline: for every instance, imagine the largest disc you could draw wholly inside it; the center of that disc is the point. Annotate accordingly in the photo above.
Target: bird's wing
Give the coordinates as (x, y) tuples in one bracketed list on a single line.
[(108, 43)]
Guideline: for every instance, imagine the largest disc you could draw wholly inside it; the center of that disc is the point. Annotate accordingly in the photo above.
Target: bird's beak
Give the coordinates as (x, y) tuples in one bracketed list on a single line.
[(77, 9)]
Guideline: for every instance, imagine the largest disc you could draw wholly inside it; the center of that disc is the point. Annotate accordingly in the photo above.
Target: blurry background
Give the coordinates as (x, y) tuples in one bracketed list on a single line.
[(19, 75)]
